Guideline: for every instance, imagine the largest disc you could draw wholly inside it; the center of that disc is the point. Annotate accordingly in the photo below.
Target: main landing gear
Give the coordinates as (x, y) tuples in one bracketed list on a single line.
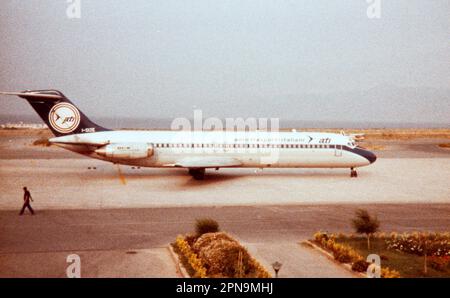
[(197, 174), (353, 173)]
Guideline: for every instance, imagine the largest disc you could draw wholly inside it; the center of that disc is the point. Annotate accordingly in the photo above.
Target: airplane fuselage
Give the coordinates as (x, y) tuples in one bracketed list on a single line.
[(249, 149)]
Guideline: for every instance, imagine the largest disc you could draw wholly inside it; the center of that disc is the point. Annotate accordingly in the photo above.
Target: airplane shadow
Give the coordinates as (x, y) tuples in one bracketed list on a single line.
[(307, 175), (211, 178), (214, 177)]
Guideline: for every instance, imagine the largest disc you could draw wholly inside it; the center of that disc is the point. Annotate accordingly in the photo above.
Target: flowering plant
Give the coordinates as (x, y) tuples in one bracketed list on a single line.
[(431, 244)]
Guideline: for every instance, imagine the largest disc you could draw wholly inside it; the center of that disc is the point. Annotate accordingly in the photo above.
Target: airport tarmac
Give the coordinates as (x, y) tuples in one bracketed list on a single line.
[(117, 213), (70, 184), (407, 171)]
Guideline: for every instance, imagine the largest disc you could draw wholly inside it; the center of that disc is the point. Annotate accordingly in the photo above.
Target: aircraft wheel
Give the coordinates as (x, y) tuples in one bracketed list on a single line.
[(197, 174)]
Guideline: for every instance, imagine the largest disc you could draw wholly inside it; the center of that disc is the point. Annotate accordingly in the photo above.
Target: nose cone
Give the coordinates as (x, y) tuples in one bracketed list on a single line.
[(370, 156)]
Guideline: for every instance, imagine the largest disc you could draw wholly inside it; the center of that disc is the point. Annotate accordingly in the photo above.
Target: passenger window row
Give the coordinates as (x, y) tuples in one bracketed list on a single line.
[(287, 146)]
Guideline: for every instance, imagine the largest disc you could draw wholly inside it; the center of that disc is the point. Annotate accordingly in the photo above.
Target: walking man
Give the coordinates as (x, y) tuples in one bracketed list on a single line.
[(26, 201)]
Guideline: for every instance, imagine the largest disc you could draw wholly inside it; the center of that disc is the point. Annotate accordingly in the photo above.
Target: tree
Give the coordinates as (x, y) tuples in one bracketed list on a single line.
[(364, 223), (206, 225), (423, 238)]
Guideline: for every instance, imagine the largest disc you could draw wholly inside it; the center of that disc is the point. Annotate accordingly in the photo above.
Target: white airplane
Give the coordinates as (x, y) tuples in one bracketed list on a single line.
[(193, 150)]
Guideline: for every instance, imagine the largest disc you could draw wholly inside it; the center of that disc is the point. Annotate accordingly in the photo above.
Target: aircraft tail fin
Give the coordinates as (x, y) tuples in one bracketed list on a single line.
[(58, 112)]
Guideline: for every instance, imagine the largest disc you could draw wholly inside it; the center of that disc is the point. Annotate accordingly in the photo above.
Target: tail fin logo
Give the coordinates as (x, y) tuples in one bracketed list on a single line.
[(64, 117)]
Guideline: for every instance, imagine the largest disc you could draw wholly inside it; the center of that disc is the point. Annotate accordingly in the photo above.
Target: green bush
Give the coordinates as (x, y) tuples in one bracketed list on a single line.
[(206, 239), (360, 266), (439, 263), (223, 256), (206, 225), (190, 239), (342, 257), (389, 273)]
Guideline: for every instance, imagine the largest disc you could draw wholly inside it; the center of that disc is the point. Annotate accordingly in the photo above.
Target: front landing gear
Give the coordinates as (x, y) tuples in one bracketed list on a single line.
[(353, 173), (197, 174)]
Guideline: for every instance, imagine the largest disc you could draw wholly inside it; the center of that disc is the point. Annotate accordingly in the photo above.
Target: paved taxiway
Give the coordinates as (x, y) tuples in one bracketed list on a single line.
[(30, 245), (68, 183)]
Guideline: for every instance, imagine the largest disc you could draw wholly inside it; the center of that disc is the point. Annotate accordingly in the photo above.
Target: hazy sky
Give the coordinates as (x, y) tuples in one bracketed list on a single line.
[(144, 58)]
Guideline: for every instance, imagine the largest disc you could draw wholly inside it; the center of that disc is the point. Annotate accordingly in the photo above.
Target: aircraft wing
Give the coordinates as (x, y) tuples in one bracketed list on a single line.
[(207, 162)]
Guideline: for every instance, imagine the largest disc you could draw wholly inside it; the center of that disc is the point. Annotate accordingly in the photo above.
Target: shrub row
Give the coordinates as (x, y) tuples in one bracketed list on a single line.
[(346, 254), (193, 260), (341, 252)]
